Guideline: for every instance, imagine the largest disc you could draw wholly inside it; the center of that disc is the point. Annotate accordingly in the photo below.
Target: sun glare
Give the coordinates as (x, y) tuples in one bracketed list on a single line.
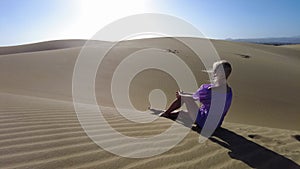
[(95, 14)]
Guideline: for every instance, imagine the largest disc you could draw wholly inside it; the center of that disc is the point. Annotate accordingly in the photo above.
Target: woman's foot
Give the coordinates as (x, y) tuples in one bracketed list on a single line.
[(164, 114), (172, 116), (196, 128)]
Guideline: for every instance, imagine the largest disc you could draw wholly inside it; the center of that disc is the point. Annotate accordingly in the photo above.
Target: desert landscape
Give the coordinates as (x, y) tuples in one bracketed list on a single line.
[(40, 129)]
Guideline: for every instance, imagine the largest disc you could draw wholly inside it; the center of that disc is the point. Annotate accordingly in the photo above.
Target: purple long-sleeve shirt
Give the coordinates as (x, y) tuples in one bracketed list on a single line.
[(203, 94)]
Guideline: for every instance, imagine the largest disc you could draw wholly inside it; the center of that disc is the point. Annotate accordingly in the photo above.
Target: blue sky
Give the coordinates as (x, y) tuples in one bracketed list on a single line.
[(39, 20)]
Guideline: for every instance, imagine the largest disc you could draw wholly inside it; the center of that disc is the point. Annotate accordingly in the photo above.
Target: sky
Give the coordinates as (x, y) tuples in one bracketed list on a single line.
[(32, 21)]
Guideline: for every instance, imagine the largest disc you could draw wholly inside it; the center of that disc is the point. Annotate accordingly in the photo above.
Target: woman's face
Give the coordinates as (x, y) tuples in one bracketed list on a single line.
[(219, 72)]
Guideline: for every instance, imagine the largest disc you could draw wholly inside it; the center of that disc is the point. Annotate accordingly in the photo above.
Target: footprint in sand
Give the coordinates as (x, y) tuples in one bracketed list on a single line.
[(297, 137), (254, 136), (245, 56), (266, 140), (172, 51)]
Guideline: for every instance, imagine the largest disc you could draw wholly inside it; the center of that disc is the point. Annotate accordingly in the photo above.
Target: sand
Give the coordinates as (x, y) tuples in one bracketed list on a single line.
[(296, 47), (40, 129)]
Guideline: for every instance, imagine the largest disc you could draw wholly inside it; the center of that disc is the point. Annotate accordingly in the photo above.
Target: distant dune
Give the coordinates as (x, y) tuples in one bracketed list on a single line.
[(272, 41), (43, 46), (40, 129), (297, 47)]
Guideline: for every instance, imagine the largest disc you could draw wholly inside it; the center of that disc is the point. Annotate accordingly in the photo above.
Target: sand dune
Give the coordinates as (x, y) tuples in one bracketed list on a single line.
[(297, 47), (264, 79), (44, 46), (40, 129), (45, 133), (41, 46)]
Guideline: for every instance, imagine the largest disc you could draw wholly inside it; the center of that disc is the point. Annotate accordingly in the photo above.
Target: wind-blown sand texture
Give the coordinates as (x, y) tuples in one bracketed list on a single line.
[(40, 129)]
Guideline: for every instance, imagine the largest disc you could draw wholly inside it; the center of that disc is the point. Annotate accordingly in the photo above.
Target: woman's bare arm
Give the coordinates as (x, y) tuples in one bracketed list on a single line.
[(185, 94)]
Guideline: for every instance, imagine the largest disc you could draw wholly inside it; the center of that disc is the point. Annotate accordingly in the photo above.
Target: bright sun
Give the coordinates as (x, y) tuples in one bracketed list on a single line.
[(94, 14)]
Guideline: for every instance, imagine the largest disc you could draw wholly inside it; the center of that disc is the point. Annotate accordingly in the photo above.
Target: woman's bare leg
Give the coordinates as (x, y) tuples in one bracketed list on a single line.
[(174, 106)]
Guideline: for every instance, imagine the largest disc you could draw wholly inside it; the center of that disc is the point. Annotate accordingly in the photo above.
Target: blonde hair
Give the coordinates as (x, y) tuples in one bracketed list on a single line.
[(221, 68)]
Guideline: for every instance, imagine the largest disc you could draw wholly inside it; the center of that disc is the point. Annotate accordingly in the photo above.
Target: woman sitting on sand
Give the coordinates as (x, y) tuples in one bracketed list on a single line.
[(221, 71)]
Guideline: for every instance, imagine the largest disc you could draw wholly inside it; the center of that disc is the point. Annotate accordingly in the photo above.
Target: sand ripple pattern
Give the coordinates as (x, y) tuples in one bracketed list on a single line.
[(44, 133)]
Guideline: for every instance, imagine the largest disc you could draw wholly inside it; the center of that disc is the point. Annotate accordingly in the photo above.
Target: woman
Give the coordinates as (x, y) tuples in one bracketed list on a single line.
[(221, 71)]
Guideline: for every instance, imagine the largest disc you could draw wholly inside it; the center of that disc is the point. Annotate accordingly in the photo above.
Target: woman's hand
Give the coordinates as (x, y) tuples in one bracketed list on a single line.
[(178, 94)]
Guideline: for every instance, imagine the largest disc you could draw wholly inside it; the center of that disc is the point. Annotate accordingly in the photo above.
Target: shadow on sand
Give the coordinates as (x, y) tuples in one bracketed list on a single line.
[(251, 153)]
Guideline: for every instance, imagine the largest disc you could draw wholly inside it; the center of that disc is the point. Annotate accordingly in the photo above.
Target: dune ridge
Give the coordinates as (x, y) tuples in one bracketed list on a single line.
[(47, 45)]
